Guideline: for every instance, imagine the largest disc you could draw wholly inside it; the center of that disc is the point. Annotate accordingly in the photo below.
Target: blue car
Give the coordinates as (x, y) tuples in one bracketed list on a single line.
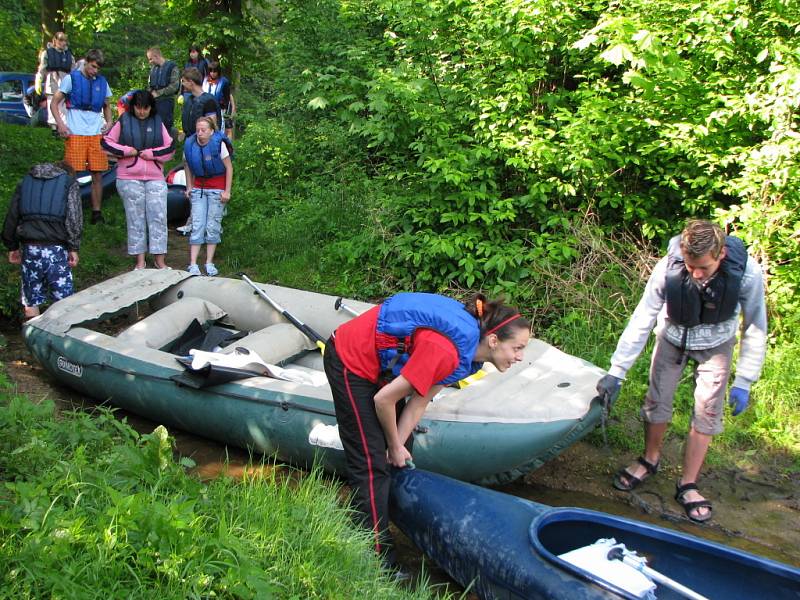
[(12, 91)]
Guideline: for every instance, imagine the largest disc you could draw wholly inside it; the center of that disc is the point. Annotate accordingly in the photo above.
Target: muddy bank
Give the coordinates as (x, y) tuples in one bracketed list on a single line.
[(756, 507)]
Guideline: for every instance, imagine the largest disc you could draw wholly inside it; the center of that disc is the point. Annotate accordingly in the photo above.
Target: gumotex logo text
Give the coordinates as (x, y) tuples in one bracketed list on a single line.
[(69, 367)]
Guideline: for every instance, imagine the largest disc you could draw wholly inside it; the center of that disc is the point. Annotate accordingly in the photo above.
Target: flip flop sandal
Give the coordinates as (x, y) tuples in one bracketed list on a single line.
[(688, 507), (630, 480)]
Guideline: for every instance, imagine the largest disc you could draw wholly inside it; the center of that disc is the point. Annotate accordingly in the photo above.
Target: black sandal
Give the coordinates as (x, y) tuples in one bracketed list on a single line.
[(688, 507), (631, 481)]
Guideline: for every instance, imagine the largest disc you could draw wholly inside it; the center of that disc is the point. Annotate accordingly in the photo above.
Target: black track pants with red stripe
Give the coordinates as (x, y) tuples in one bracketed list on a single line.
[(364, 442)]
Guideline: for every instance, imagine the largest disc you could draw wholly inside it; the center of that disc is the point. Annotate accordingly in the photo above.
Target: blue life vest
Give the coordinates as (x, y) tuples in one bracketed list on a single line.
[(44, 199), (206, 161), (401, 315), (87, 94), (160, 76), (688, 304), (58, 60), (220, 87), (140, 133)]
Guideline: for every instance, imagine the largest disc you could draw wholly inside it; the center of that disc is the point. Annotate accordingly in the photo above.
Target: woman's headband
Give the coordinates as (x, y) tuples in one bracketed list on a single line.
[(506, 322)]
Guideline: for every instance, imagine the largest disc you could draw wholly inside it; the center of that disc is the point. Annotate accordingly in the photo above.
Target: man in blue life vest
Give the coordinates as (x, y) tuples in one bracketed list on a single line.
[(55, 63), (42, 231), (164, 83), (695, 295), (88, 117)]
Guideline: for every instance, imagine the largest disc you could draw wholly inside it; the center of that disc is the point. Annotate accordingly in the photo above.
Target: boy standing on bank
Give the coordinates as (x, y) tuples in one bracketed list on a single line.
[(88, 118), (42, 232)]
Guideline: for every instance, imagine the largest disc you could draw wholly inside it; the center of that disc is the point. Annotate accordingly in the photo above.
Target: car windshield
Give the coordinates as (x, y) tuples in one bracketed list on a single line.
[(11, 91)]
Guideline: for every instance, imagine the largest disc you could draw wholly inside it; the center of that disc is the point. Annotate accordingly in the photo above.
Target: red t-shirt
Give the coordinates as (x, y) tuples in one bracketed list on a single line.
[(217, 182), (432, 356)]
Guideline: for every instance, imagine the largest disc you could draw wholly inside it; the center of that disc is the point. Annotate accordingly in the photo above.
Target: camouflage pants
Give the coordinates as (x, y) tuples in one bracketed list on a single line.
[(146, 214), (44, 269)]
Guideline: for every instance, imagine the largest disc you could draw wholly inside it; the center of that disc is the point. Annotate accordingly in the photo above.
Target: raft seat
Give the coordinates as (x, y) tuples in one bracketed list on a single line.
[(275, 344), (166, 325)]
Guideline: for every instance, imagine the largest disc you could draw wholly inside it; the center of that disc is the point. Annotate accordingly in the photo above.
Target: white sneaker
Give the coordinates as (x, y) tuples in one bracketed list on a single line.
[(211, 270), (184, 229), (194, 270)]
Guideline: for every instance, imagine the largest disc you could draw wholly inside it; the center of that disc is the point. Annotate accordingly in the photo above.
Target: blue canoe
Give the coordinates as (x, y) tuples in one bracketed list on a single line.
[(178, 206), (508, 547)]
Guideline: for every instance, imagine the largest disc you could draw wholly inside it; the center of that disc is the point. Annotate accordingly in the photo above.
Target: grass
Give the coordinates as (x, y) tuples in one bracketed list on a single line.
[(300, 189), (91, 509)]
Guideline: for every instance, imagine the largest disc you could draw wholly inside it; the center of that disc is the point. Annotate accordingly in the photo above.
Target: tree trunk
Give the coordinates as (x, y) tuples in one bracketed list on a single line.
[(52, 19)]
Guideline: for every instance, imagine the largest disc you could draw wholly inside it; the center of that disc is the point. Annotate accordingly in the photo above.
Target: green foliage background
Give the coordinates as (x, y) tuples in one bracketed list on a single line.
[(507, 122), (541, 150)]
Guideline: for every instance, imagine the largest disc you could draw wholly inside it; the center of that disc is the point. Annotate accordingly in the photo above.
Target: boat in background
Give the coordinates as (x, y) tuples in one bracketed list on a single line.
[(109, 183), (501, 546), (178, 205), (492, 431)]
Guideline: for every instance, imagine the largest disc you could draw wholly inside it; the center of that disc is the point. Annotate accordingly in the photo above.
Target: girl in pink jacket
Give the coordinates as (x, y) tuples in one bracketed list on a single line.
[(142, 143)]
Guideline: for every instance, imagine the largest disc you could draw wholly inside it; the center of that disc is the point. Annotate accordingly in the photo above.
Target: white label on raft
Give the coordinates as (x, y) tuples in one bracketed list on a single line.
[(325, 436), (69, 367)]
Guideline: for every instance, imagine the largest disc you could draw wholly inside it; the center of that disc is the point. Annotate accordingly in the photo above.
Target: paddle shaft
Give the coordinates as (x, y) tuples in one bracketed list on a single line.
[(638, 564), (307, 331)]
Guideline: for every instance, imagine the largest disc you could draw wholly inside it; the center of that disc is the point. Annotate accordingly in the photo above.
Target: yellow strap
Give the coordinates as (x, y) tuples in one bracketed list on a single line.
[(471, 379)]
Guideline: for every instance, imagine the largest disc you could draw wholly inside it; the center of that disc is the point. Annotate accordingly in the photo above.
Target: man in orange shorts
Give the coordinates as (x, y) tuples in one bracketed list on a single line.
[(88, 117)]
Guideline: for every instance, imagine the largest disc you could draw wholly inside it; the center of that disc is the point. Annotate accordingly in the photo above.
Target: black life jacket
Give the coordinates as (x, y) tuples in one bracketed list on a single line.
[(159, 76), (44, 199), (193, 110), (59, 61), (140, 133), (201, 65), (690, 305)]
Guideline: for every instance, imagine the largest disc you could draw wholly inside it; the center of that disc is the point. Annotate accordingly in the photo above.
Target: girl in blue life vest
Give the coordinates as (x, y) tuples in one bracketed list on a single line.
[(219, 86), (209, 176), (386, 365)]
